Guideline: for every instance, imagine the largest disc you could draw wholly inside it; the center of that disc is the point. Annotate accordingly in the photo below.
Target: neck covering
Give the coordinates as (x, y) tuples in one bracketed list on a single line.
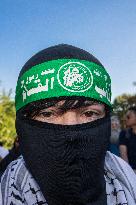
[(67, 161), (19, 187)]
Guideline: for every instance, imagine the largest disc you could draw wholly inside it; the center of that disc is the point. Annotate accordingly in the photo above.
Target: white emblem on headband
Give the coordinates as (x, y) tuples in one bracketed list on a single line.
[(75, 77)]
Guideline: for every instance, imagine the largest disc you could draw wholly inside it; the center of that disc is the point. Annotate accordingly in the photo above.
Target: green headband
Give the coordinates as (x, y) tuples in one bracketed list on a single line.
[(63, 77)]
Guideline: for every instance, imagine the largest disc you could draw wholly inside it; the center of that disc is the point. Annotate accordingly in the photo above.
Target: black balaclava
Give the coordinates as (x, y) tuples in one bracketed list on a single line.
[(67, 161)]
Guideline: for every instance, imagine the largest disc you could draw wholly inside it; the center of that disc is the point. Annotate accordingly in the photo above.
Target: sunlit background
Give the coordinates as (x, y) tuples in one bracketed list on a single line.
[(106, 28)]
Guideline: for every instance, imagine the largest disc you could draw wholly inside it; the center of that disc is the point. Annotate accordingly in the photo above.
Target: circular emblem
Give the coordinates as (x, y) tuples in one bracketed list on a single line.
[(75, 77)]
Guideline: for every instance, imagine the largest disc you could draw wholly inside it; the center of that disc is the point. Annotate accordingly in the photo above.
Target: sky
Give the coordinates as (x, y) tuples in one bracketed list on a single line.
[(107, 29)]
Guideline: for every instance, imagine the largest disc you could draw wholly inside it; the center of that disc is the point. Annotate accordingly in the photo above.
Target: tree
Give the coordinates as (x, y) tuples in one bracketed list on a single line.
[(7, 119), (121, 105)]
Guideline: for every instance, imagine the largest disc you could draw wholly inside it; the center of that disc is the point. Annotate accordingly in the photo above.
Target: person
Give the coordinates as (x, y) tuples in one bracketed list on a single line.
[(115, 131), (128, 138), (3, 151), (63, 122)]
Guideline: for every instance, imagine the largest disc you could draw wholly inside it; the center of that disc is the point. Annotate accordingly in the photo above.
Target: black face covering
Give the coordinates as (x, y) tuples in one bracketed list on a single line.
[(67, 161)]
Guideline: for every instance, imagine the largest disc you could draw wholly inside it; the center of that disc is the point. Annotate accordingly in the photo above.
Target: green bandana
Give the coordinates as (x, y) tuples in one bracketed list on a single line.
[(63, 77)]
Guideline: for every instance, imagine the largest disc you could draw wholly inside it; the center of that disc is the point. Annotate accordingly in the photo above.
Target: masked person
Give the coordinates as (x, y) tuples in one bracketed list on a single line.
[(63, 122)]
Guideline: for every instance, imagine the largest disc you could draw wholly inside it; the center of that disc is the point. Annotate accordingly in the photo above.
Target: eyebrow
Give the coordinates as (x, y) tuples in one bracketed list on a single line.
[(61, 108)]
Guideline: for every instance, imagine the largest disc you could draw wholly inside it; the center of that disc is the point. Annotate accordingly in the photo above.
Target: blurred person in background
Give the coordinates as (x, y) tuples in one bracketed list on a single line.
[(114, 139), (63, 107), (127, 139)]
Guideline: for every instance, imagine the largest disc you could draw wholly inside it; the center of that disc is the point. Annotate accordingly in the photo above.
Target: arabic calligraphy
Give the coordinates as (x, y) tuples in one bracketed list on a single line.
[(36, 80)]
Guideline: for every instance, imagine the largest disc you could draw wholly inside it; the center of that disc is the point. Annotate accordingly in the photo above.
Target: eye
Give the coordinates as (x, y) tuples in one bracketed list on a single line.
[(46, 114), (90, 113)]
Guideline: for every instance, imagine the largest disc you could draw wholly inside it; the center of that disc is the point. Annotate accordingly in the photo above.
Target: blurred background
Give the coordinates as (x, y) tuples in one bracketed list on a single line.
[(107, 29)]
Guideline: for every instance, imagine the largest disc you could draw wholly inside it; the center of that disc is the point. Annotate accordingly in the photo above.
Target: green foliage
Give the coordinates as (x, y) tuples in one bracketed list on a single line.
[(7, 119), (121, 105)]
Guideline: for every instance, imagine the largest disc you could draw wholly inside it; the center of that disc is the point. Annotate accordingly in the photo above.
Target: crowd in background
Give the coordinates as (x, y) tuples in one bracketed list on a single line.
[(123, 142)]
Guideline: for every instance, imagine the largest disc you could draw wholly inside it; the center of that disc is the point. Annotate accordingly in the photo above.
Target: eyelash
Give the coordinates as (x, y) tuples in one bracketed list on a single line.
[(90, 113), (49, 114), (46, 114)]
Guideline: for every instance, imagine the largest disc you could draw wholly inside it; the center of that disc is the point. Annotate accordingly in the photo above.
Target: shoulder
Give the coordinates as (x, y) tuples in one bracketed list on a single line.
[(119, 166), (14, 169), (122, 133), (122, 172), (124, 137), (11, 182), (17, 185)]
